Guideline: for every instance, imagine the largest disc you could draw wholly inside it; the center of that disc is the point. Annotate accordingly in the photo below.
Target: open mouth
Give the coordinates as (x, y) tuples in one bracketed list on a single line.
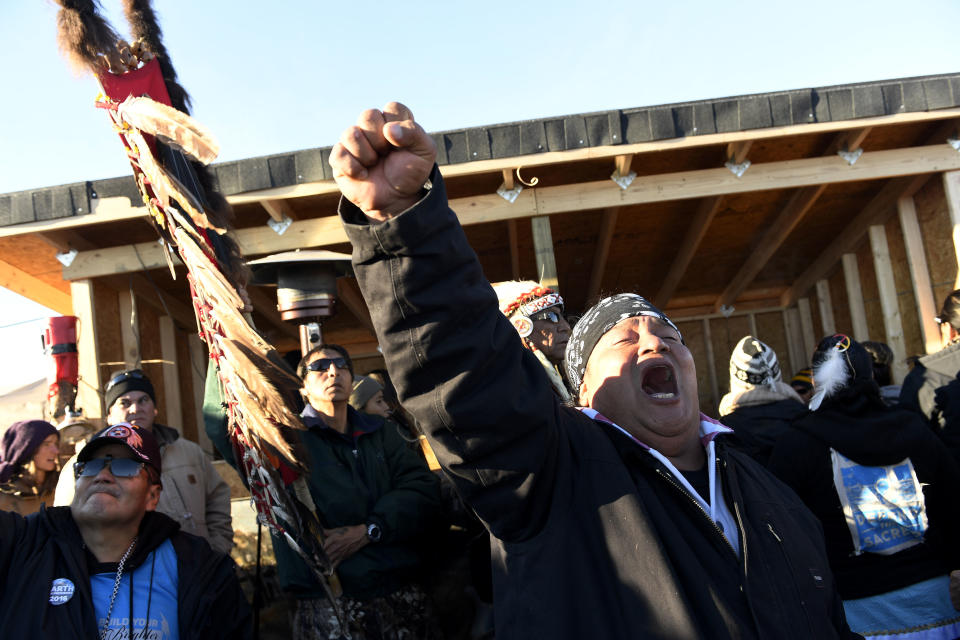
[(660, 382)]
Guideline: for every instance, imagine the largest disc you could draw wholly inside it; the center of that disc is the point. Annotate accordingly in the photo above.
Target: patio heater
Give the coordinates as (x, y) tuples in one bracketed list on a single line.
[(306, 284)]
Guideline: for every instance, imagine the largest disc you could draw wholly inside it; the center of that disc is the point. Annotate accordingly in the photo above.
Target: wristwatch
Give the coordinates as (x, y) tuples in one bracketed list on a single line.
[(374, 532)]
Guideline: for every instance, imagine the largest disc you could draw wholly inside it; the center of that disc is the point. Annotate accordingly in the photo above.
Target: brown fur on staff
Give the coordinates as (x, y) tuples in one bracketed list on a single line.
[(83, 35), (144, 26)]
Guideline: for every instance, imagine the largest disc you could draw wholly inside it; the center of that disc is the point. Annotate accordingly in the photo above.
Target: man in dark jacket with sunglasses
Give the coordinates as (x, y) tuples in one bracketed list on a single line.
[(109, 565)]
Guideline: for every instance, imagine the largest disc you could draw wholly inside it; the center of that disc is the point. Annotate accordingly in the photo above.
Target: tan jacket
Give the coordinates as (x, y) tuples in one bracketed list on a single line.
[(193, 493), (20, 495)]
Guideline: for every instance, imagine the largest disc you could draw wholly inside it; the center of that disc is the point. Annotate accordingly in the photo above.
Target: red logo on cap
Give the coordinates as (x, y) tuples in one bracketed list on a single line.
[(119, 431), (128, 435)]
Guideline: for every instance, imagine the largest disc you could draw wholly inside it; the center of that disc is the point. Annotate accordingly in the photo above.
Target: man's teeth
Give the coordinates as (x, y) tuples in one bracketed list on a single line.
[(663, 395)]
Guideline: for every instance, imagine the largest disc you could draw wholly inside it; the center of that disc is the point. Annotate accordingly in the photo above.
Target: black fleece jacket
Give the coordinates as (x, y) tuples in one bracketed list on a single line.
[(36, 550), (857, 424), (591, 536)]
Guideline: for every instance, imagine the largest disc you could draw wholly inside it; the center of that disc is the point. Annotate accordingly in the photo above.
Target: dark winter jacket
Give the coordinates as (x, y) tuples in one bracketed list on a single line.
[(36, 550), (369, 477), (929, 374), (948, 408), (864, 430), (591, 536), (757, 427)]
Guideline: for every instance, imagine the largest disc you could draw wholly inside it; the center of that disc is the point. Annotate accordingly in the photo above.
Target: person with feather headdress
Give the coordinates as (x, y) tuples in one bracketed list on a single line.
[(536, 312), (885, 490), (760, 406)]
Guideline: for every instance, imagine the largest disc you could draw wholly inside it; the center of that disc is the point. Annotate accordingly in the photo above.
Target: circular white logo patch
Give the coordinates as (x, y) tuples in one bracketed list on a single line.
[(118, 431), (61, 591)]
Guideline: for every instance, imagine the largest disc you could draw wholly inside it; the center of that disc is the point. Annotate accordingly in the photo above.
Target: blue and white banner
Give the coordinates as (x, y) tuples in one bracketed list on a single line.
[(884, 506)]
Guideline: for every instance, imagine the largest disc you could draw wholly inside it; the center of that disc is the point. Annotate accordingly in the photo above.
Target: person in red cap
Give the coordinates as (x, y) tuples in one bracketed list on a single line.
[(197, 497), (28, 466), (110, 565)]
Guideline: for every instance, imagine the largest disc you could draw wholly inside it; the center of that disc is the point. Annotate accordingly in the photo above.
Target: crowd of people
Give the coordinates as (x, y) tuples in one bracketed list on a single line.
[(537, 480)]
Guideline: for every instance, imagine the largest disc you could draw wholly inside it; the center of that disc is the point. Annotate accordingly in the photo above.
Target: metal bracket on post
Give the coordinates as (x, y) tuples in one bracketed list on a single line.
[(510, 195), (623, 181), (66, 257), (954, 142), (281, 225), (737, 169), (850, 156), (726, 310)]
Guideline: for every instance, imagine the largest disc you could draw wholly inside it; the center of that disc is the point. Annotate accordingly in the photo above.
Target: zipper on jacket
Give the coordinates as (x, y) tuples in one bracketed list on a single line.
[(736, 513), (706, 515), (796, 576)]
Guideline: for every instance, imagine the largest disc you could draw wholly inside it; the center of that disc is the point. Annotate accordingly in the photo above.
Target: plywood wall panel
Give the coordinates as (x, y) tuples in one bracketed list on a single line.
[(871, 293), (906, 299), (693, 335), (189, 427), (934, 219), (771, 331), (841, 302), (109, 341)]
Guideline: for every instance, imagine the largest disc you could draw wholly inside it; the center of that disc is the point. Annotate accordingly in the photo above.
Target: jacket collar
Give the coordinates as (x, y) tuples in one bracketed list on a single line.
[(358, 423), (709, 427)]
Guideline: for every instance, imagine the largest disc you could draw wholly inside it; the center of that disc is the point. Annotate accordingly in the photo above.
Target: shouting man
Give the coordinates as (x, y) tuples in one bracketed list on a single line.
[(628, 518)]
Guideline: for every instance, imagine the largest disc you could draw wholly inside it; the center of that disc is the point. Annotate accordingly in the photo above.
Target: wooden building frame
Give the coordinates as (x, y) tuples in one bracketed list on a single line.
[(787, 215)]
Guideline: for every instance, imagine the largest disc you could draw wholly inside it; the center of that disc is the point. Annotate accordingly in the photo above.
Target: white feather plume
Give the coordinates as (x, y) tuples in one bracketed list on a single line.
[(829, 376)]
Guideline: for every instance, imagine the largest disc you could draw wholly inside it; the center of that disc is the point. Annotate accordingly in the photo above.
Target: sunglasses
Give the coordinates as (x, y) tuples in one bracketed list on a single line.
[(549, 316), (123, 377), (119, 467), (323, 364)]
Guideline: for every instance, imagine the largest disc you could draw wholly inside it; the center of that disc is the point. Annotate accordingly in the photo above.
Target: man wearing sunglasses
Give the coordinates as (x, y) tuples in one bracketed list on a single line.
[(196, 496), (536, 312), (110, 565), (377, 502)]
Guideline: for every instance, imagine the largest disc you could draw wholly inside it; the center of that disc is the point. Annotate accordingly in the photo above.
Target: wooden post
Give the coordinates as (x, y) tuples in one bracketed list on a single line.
[(893, 326), (198, 369), (806, 326), (129, 329), (607, 225), (88, 391), (172, 406), (919, 273), (752, 317), (951, 185), (543, 249), (791, 326), (858, 314), (514, 250), (825, 303), (711, 363)]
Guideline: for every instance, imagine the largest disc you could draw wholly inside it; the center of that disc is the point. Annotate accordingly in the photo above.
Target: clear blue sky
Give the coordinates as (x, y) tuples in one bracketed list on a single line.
[(269, 77)]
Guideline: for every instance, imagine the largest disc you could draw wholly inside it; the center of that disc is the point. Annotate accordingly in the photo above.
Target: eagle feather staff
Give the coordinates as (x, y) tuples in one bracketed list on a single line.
[(167, 151)]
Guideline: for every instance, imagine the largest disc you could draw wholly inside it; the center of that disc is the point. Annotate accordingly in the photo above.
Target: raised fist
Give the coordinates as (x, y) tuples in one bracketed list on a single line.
[(382, 162)]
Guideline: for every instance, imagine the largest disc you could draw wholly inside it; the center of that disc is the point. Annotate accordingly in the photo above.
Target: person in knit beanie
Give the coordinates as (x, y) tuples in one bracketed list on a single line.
[(367, 396), (759, 406), (29, 466)]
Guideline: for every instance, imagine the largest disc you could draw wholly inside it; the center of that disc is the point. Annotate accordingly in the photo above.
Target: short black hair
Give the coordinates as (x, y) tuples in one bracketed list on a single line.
[(950, 312), (302, 367)]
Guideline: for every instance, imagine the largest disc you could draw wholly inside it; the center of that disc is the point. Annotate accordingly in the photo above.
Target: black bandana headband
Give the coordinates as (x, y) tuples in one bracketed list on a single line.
[(597, 321)]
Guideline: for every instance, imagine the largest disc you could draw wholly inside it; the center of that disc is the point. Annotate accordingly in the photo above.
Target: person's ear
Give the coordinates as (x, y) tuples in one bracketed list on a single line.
[(583, 398), (153, 497)]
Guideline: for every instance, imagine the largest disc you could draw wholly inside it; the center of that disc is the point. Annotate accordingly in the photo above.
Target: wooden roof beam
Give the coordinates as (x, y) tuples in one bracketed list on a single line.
[(33, 288), (318, 232), (607, 225), (696, 231), (786, 221), (278, 209), (348, 292), (874, 212)]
